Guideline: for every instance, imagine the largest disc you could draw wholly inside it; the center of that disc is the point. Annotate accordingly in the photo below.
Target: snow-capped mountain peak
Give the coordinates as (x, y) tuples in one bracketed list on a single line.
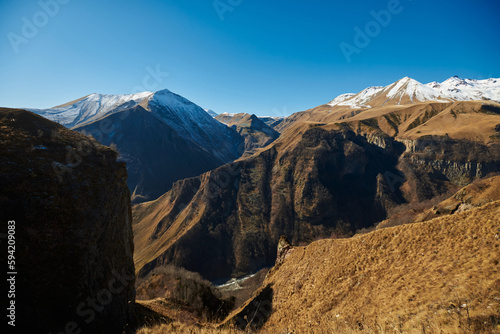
[(189, 120), (90, 108), (408, 90)]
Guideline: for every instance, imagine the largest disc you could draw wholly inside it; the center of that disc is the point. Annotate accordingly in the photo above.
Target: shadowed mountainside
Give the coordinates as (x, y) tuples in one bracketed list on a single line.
[(328, 182), (163, 137)]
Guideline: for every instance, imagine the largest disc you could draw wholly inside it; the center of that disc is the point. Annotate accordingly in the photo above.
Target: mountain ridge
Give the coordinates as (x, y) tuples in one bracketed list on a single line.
[(408, 90)]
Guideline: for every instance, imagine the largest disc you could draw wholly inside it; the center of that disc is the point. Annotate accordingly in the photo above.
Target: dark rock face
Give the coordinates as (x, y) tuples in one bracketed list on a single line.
[(74, 245), (431, 162)]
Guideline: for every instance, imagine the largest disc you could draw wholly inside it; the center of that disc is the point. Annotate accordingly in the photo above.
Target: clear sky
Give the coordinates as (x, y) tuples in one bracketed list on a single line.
[(264, 57)]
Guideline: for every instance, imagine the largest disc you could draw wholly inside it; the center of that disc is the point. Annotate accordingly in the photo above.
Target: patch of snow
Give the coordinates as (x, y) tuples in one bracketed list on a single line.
[(359, 100), (272, 117)]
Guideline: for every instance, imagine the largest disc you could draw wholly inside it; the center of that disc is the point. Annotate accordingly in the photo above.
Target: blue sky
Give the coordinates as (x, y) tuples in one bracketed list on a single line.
[(264, 57)]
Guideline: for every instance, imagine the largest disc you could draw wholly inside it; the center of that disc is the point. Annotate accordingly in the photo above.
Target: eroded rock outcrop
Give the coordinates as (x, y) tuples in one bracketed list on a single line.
[(284, 248), (69, 199)]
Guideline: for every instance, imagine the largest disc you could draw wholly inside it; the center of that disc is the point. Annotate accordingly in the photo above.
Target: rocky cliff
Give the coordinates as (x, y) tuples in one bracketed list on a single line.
[(69, 199)]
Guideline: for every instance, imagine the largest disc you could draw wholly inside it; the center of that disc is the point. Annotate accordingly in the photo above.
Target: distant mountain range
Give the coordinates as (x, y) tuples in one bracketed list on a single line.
[(404, 92), (407, 90)]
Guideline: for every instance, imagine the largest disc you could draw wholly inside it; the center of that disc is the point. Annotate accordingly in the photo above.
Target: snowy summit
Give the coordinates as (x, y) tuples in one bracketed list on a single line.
[(408, 90)]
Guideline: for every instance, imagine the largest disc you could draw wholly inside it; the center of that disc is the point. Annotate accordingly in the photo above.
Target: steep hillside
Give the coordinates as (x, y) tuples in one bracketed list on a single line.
[(256, 133), (474, 195), (441, 276), (335, 169), (225, 222), (73, 254)]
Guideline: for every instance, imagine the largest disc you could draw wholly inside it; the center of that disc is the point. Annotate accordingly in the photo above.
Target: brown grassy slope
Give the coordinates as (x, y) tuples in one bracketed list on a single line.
[(427, 277), (473, 120), (476, 194), (305, 184), (181, 328)]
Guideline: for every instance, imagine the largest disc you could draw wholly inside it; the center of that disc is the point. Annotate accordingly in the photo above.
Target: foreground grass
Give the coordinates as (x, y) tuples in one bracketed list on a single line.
[(441, 276)]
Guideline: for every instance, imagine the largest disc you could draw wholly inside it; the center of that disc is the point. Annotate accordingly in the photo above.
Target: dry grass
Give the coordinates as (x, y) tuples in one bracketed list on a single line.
[(458, 120), (441, 276), (180, 328)]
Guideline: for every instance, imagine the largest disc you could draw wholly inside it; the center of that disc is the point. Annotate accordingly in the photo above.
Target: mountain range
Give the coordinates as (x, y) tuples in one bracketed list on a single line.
[(215, 194), (344, 154), (407, 90)]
